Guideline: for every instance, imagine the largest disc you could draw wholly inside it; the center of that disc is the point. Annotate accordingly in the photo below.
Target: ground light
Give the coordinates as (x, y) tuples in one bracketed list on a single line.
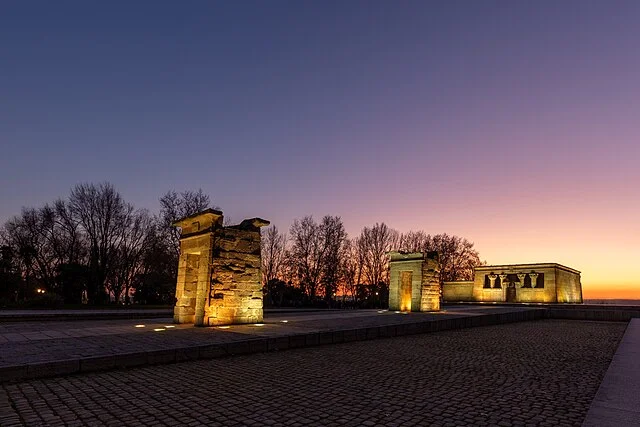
[(284, 321), (140, 326), (224, 327), (170, 326), (159, 329)]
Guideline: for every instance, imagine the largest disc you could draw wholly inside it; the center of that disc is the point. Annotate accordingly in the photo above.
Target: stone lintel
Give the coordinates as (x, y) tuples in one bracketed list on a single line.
[(251, 224), (525, 268), (205, 220), (405, 256)]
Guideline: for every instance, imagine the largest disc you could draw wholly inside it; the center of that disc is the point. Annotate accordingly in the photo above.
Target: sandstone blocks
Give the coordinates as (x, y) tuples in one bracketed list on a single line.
[(219, 278)]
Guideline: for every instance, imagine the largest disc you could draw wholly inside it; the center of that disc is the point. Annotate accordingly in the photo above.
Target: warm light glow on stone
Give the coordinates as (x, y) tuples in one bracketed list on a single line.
[(224, 327)]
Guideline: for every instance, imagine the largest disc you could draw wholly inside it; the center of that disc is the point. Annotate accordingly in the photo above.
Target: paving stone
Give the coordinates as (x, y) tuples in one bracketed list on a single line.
[(533, 373)]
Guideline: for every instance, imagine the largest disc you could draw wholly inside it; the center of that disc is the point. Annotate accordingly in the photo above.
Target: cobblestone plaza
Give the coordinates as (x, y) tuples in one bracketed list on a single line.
[(538, 373)]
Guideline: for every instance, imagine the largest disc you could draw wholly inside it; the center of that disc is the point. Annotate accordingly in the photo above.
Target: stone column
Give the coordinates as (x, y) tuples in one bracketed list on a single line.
[(503, 281), (430, 289), (492, 280), (521, 277), (533, 277)]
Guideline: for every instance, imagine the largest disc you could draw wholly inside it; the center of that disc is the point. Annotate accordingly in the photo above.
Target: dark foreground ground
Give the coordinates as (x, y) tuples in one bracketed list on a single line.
[(540, 373)]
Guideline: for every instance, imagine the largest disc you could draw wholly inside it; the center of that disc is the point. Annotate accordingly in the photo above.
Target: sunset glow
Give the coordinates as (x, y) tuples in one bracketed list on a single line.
[(511, 124)]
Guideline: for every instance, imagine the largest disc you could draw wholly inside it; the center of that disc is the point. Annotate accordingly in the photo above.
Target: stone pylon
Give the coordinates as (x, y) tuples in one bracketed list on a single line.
[(219, 280), (414, 281)]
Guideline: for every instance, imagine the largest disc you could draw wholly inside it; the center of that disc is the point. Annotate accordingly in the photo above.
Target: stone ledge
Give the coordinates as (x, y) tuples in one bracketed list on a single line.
[(617, 402), (255, 345)]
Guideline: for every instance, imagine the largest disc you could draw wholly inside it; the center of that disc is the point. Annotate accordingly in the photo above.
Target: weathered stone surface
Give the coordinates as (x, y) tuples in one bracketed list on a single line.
[(518, 283), (219, 279), (414, 281)]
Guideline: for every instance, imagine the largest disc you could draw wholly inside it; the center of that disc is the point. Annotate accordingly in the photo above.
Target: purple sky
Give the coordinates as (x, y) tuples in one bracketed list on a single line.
[(515, 124)]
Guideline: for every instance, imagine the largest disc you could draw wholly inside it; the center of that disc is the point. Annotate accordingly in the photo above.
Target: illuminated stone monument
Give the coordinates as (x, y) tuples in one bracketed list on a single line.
[(518, 283), (414, 281), (219, 278)]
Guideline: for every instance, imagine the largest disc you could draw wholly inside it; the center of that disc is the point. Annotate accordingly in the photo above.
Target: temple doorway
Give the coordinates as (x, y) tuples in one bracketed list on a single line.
[(405, 290)]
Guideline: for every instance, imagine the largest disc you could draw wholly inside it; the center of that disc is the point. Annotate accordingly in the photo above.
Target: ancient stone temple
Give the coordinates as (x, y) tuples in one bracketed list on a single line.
[(414, 281), (219, 278), (518, 283)]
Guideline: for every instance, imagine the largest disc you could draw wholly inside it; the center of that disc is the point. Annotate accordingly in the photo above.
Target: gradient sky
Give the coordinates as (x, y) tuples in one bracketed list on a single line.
[(515, 124)]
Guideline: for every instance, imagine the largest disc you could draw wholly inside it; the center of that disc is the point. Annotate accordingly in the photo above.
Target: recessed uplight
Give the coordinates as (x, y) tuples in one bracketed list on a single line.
[(259, 324), (159, 329), (170, 326), (380, 311), (140, 326), (397, 312), (284, 321), (224, 327)]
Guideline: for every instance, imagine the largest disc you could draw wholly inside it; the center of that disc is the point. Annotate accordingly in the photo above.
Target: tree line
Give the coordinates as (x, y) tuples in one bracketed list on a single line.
[(93, 247), (317, 263)]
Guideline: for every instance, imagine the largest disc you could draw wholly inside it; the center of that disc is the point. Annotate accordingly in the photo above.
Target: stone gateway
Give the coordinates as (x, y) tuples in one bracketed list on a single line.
[(219, 280), (414, 281)]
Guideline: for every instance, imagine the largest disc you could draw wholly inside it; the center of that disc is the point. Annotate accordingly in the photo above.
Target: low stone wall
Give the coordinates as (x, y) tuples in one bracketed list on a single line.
[(593, 312), (457, 291)]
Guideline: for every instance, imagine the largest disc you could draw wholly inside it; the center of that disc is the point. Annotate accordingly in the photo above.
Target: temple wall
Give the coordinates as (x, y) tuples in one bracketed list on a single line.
[(457, 291), (551, 283), (568, 286)]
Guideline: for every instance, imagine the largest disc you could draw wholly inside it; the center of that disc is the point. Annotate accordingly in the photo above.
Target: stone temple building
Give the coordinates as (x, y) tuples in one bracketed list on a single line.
[(414, 281), (518, 283), (219, 280)]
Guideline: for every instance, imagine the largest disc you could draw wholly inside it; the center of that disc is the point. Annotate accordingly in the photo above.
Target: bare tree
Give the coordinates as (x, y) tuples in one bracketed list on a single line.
[(174, 206), (103, 215), (273, 253), (307, 254), (349, 268), (373, 244), (333, 240), (458, 258), (412, 241), (31, 234), (128, 256)]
